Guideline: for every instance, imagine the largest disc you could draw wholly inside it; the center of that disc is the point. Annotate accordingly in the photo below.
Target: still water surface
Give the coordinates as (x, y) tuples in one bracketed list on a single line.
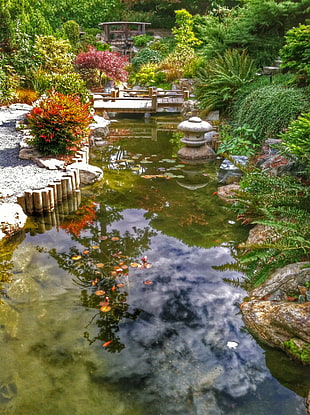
[(121, 309)]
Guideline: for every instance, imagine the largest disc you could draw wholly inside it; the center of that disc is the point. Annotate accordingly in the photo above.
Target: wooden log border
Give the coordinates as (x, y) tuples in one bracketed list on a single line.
[(44, 200)]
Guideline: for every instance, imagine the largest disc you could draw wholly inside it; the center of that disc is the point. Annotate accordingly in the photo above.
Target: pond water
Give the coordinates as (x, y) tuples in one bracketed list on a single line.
[(123, 307)]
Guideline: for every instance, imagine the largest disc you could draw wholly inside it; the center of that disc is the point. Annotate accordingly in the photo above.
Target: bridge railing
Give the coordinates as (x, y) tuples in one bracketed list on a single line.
[(159, 98)]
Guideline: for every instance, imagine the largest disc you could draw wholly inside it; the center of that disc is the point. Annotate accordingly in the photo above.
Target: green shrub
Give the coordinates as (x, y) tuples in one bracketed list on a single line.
[(295, 54), (59, 124), (72, 30), (146, 55), (219, 80), (54, 54), (296, 140), (270, 109), (148, 75), (164, 45), (68, 84), (142, 40), (240, 141), (9, 82), (280, 79)]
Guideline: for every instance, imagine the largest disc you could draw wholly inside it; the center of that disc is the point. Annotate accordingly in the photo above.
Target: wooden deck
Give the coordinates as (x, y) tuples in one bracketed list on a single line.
[(139, 101)]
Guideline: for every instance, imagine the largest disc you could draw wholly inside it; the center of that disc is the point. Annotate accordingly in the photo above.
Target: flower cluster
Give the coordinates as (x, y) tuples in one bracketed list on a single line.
[(59, 124)]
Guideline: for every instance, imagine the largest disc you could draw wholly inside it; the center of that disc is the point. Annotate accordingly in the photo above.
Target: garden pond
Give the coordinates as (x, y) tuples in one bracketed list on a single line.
[(124, 306)]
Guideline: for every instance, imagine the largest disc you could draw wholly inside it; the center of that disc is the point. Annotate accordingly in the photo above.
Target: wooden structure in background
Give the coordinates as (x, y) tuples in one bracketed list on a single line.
[(139, 101), (120, 34)]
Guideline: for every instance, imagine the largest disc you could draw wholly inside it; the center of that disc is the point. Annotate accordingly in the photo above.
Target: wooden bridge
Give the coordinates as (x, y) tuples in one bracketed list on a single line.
[(151, 100)]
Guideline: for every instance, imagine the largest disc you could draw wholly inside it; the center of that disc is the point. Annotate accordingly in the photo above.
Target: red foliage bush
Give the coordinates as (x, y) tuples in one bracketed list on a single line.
[(111, 64), (59, 124)]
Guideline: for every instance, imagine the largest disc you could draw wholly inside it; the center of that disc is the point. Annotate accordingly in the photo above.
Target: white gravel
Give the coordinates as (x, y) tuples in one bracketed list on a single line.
[(18, 175)]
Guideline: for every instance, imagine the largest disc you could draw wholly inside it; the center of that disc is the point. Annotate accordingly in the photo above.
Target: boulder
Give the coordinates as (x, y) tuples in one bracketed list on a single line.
[(29, 153), (12, 219), (274, 315), (228, 192), (229, 171), (281, 325), (100, 127), (88, 174)]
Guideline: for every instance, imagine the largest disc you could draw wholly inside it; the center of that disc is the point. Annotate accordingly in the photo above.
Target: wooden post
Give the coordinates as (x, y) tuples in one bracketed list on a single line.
[(22, 202), (29, 201), (58, 191), (113, 94), (154, 102), (51, 196), (186, 94), (37, 201), (69, 185), (64, 188), (77, 178), (46, 204), (70, 173), (53, 188), (151, 91)]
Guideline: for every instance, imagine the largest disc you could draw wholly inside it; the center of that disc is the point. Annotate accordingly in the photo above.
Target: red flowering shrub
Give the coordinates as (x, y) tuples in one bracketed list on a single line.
[(59, 124), (109, 65)]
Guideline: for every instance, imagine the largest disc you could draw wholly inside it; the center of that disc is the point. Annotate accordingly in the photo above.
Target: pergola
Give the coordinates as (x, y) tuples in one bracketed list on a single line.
[(120, 34)]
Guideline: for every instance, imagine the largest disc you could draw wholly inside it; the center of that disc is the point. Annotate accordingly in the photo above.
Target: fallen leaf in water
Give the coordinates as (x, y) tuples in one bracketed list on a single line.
[(100, 292), (107, 343), (95, 247), (121, 263), (146, 161), (134, 265), (121, 285), (168, 160), (147, 265), (104, 303), (100, 265), (113, 273), (115, 238), (76, 257), (147, 282), (86, 252), (94, 282), (124, 267), (214, 193), (113, 288), (103, 238), (105, 308)]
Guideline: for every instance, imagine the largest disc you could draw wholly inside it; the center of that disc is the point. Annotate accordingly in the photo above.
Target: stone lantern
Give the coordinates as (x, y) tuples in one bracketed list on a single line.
[(196, 148)]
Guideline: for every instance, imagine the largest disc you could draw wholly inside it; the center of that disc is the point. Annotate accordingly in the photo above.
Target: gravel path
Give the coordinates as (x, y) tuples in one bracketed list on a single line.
[(17, 175)]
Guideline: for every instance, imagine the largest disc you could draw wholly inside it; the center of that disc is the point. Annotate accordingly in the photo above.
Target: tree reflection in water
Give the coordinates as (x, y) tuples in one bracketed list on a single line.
[(100, 266)]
